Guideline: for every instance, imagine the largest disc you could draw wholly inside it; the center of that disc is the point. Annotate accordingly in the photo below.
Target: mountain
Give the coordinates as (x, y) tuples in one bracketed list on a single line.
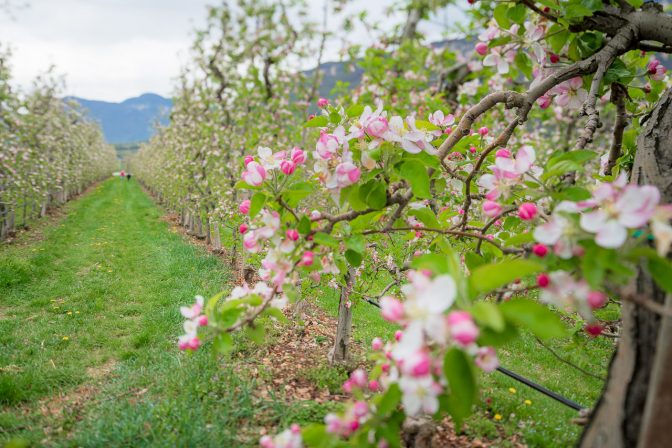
[(130, 121)]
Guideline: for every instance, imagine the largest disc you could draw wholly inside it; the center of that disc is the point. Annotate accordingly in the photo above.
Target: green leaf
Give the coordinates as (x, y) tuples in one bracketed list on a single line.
[(389, 401), (353, 257), (517, 13), (276, 313), (424, 125), (524, 63), (255, 332), (557, 37), (578, 156), (501, 16), (573, 194), (354, 111), (661, 271), (319, 121), (315, 435), (489, 277), (304, 225), (437, 263), (374, 194), (356, 243), (223, 343), (533, 316), (426, 216), (325, 239), (488, 314), (364, 221), (459, 372), (416, 175), (256, 204)]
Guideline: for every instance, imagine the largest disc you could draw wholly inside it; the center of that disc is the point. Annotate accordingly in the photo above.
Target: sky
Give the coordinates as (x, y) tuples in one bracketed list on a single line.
[(116, 49)]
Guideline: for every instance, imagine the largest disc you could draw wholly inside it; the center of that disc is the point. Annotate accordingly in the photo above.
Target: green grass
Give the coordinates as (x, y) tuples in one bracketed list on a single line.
[(118, 379), (110, 277)]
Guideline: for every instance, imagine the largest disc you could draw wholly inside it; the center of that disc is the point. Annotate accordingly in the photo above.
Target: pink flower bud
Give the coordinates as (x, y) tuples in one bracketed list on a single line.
[(307, 258), (597, 299), (543, 280), (593, 330), (194, 344), (482, 48), (203, 321), (462, 327), (292, 234), (418, 364), (483, 131), (503, 153), (248, 159), (392, 309), (544, 101), (244, 207), (243, 229), (397, 335), (472, 149), (554, 58), (296, 429), (298, 155), (287, 167), (360, 409), (358, 378), (322, 103), (347, 174), (377, 344), (491, 208), (540, 250), (347, 387), (374, 386), (378, 127), (527, 211)]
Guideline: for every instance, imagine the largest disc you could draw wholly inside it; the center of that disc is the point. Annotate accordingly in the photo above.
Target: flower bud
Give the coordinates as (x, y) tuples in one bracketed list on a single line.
[(527, 211)]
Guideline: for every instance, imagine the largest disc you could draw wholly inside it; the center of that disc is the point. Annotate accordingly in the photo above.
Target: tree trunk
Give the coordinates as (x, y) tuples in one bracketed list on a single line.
[(216, 238), (635, 409), (340, 351)]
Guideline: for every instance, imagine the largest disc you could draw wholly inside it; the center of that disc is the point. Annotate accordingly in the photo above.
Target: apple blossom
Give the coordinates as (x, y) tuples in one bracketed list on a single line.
[(527, 211), (287, 167), (254, 174), (491, 208), (244, 206), (298, 156), (322, 103), (481, 48), (462, 327)]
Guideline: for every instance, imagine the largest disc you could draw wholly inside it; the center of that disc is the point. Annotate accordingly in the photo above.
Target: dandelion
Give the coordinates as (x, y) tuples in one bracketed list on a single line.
[(65, 338), (498, 417), (69, 313), (527, 402), (512, 390)]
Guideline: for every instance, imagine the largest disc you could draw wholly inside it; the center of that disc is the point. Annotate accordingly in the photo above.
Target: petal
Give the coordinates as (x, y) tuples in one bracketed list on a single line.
[(593, 221), (611, 235), (548, 233)]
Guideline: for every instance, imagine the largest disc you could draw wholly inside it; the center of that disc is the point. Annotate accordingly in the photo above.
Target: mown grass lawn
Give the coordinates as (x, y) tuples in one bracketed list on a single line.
[(88, 323)]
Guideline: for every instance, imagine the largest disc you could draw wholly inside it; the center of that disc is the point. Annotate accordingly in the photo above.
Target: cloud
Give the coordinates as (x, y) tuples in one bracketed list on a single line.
[(115, 49)]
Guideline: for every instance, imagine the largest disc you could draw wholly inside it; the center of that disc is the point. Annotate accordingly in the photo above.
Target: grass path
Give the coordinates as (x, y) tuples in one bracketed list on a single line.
[(88, 319)]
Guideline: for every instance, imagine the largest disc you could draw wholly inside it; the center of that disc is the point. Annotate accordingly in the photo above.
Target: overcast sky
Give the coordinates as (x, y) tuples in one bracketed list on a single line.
[(115, 49)]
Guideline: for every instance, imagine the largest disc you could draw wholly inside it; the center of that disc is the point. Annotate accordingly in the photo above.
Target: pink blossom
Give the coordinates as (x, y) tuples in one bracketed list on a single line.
[(347, 173), (619, 208), (482, 48), (194, 310), (656, 69), (287, 167), (462, 327), (503, 152), (439, 119), (496, 59), (593, 330), (254, 174), (392, 309), (359, 378), (483, 131), (486, 359), (322, 103), (203, 321), (251, 243), (571, 93), (491, 208), (374, 386), (527, 211), (243, 229), (417, 364), (244, 206), (248, 159), (328, 144)]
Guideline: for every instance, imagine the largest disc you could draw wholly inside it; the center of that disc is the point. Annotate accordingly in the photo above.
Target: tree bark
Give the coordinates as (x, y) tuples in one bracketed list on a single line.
[(635, 409), (340, 351)]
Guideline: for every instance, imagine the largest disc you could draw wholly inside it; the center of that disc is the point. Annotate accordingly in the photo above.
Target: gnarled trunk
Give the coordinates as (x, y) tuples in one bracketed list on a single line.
[(636, 406)]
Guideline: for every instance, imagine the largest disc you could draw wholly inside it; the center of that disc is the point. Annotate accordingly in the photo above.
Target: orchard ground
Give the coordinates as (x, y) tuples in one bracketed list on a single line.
[(88, 323)]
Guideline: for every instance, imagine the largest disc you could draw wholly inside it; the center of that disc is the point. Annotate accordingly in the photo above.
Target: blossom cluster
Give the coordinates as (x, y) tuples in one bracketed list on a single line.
[(194, 318)]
